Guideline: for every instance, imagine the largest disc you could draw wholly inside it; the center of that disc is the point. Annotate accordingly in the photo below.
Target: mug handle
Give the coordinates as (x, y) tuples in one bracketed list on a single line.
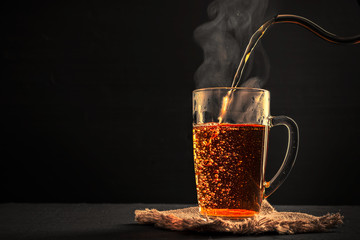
[(291, 153)]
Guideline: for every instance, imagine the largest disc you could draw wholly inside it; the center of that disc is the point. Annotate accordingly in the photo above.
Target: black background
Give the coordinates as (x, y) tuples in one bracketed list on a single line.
[(96, 101)]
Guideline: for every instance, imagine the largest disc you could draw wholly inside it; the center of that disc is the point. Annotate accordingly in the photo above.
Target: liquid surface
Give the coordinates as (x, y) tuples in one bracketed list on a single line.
[(229, 168)]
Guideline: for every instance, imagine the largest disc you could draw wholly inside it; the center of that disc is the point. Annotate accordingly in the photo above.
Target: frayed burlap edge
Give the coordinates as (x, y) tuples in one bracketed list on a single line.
[(268, 220)]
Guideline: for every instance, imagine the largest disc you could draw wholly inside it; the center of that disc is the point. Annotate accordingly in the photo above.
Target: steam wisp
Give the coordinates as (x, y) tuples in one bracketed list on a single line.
[(224, 37)]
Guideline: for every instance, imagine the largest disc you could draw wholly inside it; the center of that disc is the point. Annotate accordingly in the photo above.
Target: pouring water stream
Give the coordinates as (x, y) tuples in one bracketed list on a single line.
[(281, 18)]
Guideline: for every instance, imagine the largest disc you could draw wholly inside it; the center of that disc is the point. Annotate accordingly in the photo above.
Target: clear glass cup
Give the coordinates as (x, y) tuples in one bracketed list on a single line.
[(230, 140)]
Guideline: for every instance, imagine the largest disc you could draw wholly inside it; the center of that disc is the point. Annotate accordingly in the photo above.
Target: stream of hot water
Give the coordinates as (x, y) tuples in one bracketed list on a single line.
[(281, 18)]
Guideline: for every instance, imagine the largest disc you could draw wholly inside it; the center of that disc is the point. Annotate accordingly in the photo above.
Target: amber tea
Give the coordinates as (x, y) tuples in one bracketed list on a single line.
[(229, 160), (230, 156)]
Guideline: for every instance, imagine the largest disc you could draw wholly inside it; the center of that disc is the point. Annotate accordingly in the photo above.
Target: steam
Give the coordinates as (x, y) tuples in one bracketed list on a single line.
[(224, 40)]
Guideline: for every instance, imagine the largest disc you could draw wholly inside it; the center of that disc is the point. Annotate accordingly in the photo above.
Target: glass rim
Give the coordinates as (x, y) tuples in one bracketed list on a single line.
[(229, 88)]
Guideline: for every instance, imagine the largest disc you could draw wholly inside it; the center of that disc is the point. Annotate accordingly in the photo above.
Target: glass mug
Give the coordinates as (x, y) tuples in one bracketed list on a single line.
[(230, 156)]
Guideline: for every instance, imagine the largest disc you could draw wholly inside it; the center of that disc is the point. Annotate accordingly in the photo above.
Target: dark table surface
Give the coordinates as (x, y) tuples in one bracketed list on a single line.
[(116, 221)]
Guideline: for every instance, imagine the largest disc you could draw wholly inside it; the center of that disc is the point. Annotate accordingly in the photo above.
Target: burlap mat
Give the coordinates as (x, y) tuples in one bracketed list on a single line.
[(268, 220)]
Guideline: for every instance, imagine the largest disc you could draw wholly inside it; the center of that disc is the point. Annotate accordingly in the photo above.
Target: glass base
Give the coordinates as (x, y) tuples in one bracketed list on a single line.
[(231, 214)]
